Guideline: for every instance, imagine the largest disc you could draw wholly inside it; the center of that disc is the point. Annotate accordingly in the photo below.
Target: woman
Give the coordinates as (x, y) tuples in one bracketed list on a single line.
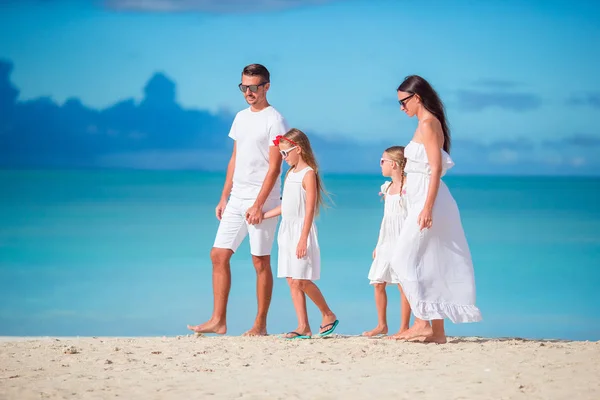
[(432, 260)]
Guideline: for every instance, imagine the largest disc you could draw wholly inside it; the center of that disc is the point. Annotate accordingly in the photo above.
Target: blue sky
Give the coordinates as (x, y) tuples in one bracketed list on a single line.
[(520, 80)]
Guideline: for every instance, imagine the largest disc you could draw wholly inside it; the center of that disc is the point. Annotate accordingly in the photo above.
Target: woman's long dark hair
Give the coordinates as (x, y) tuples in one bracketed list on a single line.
[(414, 84)]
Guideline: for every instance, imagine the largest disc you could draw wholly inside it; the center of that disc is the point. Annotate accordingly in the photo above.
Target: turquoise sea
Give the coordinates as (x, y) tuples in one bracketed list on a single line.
[(126, 253)]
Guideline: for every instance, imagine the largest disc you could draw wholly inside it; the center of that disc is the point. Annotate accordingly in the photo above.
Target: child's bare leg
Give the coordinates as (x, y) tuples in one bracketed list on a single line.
[(299, 300), (381, 305), (317, 297)]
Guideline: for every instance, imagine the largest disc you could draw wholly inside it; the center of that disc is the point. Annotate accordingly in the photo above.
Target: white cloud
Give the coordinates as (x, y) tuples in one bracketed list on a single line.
[(504, 156), (217, 6)]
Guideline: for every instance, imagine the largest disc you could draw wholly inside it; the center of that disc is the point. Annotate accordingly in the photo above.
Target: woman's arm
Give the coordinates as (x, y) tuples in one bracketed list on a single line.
[(430, 137), (309, 183)]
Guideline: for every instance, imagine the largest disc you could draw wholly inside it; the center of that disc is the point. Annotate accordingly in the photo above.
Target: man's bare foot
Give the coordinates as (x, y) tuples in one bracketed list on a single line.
[(209, 327), (379, 330), (256, 331)]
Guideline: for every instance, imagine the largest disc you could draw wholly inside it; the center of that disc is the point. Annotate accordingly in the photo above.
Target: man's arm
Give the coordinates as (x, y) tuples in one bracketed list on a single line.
[(272, 176), (255, 214), (228, 184)]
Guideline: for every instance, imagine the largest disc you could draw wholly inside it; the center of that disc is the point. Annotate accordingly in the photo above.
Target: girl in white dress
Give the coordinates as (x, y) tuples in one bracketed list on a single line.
[(380, 275), (432, 260), (299, 256)]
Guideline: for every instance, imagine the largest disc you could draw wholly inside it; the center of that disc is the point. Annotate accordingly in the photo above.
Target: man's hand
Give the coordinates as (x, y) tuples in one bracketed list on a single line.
[(220, 209), (254, 215)]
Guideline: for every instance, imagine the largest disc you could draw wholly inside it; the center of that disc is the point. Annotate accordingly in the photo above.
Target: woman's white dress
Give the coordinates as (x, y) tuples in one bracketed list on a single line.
[(293, 210), (434, 265), (394, 212)]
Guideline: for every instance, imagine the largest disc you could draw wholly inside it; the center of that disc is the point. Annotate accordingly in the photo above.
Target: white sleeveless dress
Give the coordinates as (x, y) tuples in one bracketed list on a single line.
[(434, 266), (394, 212), (293, 210)]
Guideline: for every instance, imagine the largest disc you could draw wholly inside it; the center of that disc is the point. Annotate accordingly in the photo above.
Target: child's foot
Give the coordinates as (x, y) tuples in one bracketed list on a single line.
[(298, 332), (379, 330), (328, 324)]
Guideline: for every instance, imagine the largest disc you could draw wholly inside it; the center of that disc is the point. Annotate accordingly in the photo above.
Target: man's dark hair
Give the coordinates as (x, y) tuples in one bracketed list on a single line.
[(257, 70)]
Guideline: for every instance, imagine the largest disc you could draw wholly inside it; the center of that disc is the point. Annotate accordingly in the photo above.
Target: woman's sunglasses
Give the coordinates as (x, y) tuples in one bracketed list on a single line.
[(253, 88), (286, 152), (404, 101)]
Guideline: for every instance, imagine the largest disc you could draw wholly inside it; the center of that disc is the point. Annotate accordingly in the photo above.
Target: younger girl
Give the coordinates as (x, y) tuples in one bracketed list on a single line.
[(299, 255), (381, 274)]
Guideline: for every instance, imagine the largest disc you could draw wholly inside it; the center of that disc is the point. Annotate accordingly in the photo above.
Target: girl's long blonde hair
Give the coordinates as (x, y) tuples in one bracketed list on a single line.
[(307, 154), (396, 154)]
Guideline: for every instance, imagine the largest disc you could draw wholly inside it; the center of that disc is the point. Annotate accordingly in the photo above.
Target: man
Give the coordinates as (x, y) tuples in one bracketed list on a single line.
[(253, 185)]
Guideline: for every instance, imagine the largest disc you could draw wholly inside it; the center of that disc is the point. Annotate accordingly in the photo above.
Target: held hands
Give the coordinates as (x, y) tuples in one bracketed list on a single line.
[(254, 215), (301, 249), (220, 209), (425, 220)]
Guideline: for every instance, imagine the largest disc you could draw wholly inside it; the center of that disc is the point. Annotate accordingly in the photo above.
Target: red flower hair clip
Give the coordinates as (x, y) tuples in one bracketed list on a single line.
[(279, 138)]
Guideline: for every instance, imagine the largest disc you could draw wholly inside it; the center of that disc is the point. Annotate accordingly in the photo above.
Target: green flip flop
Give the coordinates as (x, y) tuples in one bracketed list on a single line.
[(297, 336), (329, 331)]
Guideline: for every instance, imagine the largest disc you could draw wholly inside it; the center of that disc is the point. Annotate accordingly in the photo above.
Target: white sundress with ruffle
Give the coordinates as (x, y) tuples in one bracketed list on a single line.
[(394, 212), (434, 265)]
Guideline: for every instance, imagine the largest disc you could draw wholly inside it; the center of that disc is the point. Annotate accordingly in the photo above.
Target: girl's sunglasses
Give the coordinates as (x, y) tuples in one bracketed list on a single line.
[(286, 152), (253, 88), (383, 160)]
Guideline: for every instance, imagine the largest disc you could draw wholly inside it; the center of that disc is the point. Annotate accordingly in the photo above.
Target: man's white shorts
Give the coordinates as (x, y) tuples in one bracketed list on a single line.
[(233, 227)]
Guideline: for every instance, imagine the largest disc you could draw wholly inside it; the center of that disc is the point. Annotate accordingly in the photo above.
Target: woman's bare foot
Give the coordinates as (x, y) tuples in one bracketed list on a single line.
[(209, 327), (379, 330), (420, 329), (398, 335)]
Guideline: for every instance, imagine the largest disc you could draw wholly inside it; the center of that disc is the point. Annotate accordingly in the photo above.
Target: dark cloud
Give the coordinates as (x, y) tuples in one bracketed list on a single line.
[(157, 133), (473, 100), (591, 99), (211, 6)]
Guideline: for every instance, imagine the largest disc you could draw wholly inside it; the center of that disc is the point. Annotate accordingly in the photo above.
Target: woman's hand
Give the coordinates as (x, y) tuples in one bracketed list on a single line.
[(374, 253), (425, 220), (301, 248)]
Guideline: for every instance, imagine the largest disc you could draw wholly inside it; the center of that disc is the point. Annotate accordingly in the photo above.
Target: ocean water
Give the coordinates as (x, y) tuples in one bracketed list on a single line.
[(126, 253)]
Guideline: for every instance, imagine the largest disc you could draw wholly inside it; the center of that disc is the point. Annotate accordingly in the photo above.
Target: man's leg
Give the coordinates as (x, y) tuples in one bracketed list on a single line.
[(262, 237), (221, 278), (232, 231), (264, 291)]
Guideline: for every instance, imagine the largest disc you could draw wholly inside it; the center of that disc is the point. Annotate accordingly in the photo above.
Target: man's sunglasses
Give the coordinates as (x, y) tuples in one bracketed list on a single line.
[(253, 88), (405, 100)]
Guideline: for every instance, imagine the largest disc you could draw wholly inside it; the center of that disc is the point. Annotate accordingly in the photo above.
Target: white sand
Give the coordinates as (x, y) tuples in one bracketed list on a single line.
[(273, 368)]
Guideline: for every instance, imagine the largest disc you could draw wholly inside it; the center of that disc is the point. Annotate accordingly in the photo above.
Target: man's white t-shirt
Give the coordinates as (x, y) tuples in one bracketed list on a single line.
[(254, 133)]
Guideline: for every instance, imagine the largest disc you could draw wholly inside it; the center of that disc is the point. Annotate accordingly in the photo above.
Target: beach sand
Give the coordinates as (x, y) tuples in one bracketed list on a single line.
[(273, 368)]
